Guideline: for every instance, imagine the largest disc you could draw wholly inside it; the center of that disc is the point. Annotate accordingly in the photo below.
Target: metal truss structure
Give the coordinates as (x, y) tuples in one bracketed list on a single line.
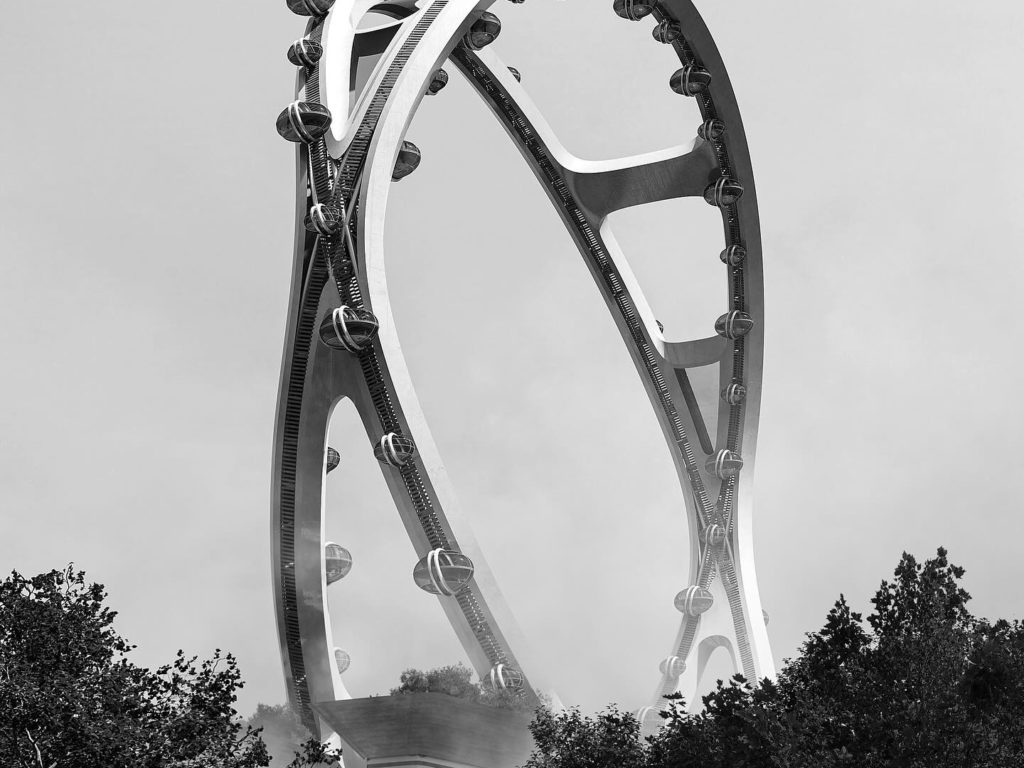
[(341, 340)]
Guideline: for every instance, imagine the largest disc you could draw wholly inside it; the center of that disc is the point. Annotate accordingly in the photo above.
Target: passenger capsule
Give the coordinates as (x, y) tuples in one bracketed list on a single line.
[(395, 450), (437, 82), (764, 615), (734, 394), (305, 52), (634, 10), (333, 459), (310, 7), (690, 80), (303, 121), (516, 74), (349, 328), (733, 325), (694, 600), (342, 661), (734, 255), (711, 130), (443, 572), (714, 536), (724, 464), (723, 192), (667, 32), (673, 666), (504, 678), (337, 562), (407, 162), (484, 31), (325, 219)]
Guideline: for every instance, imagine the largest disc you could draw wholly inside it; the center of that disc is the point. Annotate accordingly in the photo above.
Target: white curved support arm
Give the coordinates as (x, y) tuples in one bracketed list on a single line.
[(693, 354), (607, 186)]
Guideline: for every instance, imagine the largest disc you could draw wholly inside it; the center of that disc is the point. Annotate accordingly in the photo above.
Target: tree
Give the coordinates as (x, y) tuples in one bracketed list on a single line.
[(71, 698), (287, 740), (569, 740), (281, 730), (457, 680), (925, 684), (453, 680)]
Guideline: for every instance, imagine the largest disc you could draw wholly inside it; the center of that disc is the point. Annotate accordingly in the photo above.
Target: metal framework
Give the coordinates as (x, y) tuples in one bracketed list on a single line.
[(341, 340)]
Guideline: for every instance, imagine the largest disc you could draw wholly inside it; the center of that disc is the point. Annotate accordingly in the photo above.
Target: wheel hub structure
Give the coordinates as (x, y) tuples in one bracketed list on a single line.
[(341, 341)]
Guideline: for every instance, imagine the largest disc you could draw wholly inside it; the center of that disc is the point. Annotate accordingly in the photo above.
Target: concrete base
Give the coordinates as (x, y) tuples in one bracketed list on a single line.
[(427, 730)]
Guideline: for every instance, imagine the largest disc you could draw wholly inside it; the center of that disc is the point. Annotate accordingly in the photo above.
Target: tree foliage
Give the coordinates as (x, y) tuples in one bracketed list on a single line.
[(71, 698), (457, 680), (281, 730), (923, 684), (570, 740), (287, 739)]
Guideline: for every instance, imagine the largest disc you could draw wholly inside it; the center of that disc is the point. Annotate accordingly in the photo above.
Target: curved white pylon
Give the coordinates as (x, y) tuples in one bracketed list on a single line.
[(349, 170), (330, 272), (585, 193)]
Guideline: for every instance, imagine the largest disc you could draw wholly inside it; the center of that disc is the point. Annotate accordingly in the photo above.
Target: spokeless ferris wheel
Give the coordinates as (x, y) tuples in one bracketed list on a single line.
[(341, 339)]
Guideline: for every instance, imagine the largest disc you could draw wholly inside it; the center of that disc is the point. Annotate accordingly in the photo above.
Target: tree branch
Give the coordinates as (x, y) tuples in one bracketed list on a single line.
[(39, 755)]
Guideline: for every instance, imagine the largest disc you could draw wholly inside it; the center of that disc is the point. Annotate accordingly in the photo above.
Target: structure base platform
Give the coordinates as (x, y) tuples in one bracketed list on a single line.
[(427, 730)]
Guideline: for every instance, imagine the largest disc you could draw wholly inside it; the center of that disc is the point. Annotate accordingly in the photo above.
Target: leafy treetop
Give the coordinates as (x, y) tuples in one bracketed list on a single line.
[(924, 685), (457, 680), (71, 698)]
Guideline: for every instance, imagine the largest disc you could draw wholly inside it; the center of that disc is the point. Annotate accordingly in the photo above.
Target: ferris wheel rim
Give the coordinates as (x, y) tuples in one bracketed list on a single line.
[(363, 286)]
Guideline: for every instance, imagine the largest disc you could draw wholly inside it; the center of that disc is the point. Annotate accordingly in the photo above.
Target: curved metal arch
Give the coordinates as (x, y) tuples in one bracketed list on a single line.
[(377, 380), (329, 272), (686, 171)]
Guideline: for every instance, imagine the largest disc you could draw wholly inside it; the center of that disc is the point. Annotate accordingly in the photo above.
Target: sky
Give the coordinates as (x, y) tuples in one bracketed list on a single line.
[(145, 247)]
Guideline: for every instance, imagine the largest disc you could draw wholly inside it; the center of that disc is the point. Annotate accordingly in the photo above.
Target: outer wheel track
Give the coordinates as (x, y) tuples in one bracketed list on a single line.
[(330, 250), (328, 260)]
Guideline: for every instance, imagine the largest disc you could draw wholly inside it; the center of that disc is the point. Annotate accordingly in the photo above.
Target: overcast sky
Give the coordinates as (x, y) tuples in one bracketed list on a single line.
[(145, 238)]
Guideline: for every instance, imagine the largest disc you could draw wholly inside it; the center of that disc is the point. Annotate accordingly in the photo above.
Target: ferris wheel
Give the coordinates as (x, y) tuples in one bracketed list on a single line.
[(341, 341)]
